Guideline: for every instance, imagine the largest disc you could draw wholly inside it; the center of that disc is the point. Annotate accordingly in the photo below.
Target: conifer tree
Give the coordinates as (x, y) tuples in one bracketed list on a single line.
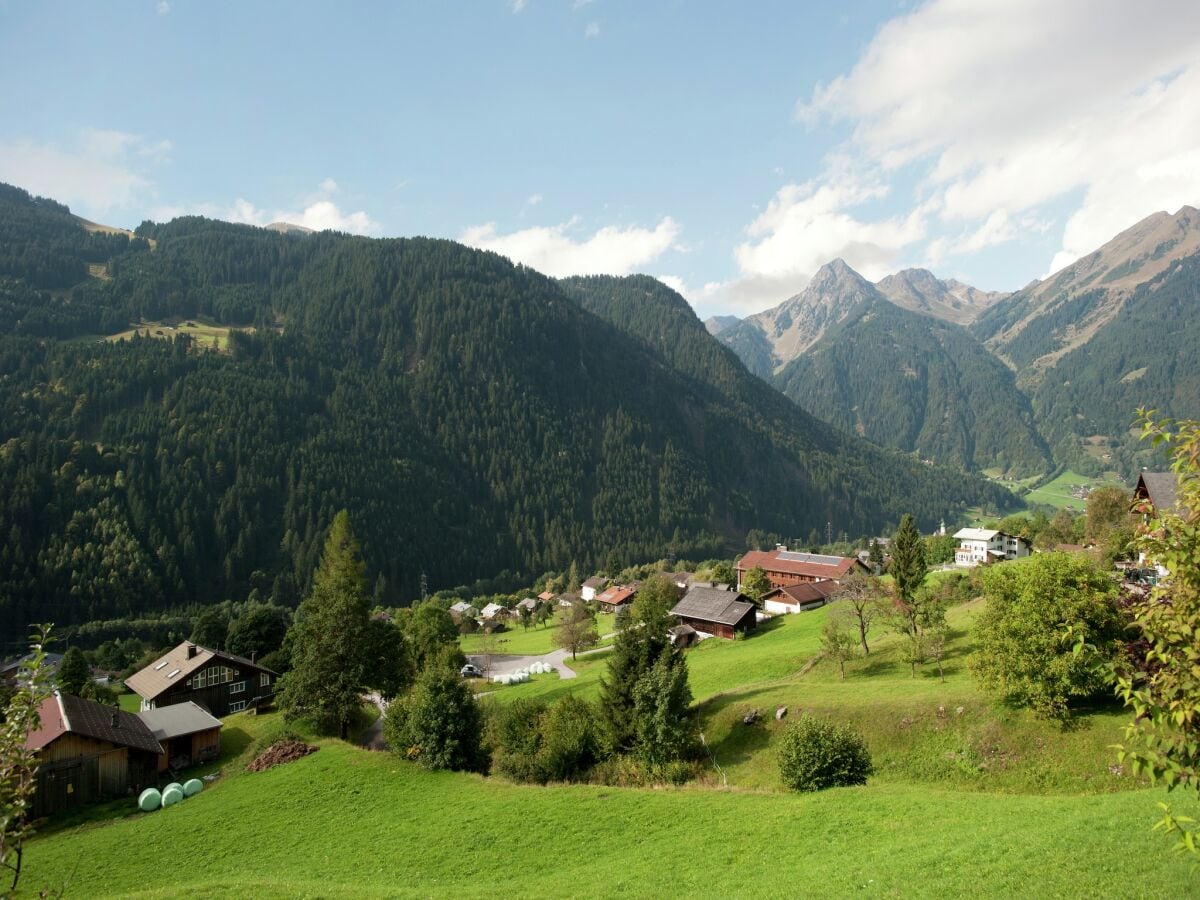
[(331, 640)]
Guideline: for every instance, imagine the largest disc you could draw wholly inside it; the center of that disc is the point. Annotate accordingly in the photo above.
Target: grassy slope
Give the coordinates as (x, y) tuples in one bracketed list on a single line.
[(987, 801), (382, 826), (1057, 493)]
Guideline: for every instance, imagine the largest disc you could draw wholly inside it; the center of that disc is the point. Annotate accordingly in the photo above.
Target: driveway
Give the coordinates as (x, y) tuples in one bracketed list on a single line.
[(372, 738), (505, 665)]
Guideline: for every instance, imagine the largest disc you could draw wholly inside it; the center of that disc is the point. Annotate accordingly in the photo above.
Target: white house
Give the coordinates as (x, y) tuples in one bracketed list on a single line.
[(591, 587), (984, 545)]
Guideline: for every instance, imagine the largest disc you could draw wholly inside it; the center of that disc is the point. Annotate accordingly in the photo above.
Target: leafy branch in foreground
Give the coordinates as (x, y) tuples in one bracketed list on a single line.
[(18, 764), (1162, 682)]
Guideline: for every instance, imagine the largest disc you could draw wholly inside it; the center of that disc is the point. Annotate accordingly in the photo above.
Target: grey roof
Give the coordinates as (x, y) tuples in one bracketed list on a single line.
[(1163, 490), (713, 605), (596, 581), (177, 720), (815, 558), (528, 603), (97, 721)]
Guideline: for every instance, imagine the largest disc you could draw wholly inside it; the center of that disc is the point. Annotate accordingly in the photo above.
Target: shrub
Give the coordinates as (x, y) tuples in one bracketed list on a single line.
[(438, 724), (571, 741), (516, 732), (815, 754)]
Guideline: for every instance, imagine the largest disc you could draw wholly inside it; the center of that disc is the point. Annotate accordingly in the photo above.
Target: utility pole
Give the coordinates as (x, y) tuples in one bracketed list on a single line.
[(828, 533), (424, 587)]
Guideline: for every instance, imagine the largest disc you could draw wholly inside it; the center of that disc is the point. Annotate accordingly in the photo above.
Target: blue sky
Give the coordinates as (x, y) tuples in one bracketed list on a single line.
[(728, 148)]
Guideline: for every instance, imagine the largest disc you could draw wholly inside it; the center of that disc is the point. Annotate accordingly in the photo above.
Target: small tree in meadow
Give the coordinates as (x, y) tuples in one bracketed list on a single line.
[(815, 754), (837, 641), (578, 631), (755, 585), (864, 602), (438, 723)]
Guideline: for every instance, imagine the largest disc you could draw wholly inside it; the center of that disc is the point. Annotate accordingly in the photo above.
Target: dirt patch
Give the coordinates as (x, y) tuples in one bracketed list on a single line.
[(279, 753)]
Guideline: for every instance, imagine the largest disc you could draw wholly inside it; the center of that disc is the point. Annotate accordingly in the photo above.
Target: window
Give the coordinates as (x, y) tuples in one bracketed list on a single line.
[(238, 706), (161, 665), (264, 680), (173, 673), (237, 688)]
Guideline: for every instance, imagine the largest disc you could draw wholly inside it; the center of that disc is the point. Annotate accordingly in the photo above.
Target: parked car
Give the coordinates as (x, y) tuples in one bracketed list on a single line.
[(470, 670)]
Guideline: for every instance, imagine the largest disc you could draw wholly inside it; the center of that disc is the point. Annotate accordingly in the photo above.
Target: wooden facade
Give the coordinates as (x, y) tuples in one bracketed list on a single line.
[(219, 682), (77, 769)]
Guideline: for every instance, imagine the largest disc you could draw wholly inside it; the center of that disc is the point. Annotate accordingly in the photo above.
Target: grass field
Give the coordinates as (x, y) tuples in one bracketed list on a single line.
[(379, 826), (204, 332), (968, 798), (1057, 493)]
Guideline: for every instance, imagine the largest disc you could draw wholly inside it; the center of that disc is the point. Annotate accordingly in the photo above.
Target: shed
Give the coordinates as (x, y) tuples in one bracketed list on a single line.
[(87, 751), (795, 598), (187, 733)]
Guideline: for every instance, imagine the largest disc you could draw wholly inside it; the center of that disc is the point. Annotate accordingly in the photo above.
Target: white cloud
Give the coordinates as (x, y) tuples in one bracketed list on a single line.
[(534, 199), (328, 186), (100, 171), (319, 215), (592, 30), (516, 5), (1003, 106), (163, 7), (555, 251)]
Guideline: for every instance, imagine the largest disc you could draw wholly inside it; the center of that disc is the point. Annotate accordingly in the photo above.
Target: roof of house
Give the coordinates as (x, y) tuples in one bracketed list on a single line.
[(617, 594), (975, 534), (546, 596), (596, 582), (805, 592), (62, 714), (528, 603), (713, 605), (491, 610), (10, 666), (815, 565), (177, 665), (1161, 489), (681, 578), (177, 720), (462, 607)]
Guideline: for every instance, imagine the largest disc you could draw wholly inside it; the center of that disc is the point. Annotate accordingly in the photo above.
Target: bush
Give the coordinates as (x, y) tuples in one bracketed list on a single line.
[(516, 732), (571, 741), (438, 724), (815, 754)]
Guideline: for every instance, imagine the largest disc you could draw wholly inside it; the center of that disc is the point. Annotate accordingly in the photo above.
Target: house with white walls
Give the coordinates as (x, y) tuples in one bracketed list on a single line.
[(980, 546)]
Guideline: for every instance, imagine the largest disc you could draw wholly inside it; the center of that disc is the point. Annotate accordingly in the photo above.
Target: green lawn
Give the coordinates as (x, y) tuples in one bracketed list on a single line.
[(345, 822), (538, 640), (1057, 493)]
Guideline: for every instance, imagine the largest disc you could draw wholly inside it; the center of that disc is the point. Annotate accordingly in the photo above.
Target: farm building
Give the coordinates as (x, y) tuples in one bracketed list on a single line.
[(784, 567), (219, 682), (615, 596), (800, 597), (1161, 489), (494, 612), (87, 751), (719, 611), (187, 733), (462, 610), (978, 546)]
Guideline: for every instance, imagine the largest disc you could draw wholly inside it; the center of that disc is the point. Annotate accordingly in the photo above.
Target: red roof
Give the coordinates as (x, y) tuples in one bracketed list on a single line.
[(616, 595), (52, 724), (813, 565)]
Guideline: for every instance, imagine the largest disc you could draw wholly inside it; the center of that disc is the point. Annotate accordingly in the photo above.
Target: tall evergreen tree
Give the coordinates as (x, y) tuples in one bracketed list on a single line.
[(330, 638), (636, 649), (73, 672), (908, 560)]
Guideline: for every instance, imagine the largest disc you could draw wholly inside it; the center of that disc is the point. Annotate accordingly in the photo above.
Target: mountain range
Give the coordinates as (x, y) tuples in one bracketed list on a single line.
[(1045, 377), (478, 420)]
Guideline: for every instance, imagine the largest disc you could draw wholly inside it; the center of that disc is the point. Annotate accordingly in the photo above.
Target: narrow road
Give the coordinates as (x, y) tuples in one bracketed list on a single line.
[(372, 737)]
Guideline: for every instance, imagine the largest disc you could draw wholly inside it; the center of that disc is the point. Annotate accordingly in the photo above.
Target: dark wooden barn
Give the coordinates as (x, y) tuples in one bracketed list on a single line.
[(218, 682), (87, 751), (716, 611)]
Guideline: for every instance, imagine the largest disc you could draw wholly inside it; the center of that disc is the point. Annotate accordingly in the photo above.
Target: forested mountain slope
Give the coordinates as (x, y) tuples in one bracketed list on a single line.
[(1116, 330), (918, 384), (468, 414)]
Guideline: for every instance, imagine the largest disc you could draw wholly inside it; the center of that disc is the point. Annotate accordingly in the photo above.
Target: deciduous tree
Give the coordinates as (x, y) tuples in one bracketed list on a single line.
[(577, 631), (837, 642), (755, 585)]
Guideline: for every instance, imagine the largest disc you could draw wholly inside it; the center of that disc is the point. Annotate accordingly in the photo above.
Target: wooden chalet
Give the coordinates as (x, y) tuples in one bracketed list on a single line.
[(716, 610), (546, 596), (616, 596), (187, 733), (218, 682), (1161, 490), (87, 751), (806, 595), (592, 587), (784, 567)]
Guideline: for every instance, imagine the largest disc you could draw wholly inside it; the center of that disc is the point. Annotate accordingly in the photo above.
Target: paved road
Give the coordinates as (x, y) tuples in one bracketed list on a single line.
[(505, 664), (372, 738)]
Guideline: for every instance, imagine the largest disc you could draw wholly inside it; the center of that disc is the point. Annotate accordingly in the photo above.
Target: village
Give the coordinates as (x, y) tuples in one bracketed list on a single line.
[(168, 725)]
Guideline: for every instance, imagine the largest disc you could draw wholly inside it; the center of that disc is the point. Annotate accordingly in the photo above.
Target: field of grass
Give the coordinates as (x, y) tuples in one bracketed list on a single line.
[(375, 825), (204, 332), (968, 797), (1057, 493)]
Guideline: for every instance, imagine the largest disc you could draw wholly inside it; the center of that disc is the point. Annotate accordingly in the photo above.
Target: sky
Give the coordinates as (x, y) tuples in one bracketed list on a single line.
[(728, 149)]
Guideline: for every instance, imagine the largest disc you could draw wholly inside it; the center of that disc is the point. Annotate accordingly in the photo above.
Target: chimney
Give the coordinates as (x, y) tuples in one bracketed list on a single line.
[(116, 722), (191, 651)]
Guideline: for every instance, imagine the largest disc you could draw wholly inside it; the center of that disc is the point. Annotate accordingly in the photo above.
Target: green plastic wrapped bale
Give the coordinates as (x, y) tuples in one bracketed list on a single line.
[(149, 800), (172, 795), (192, 786), (173, 784)]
